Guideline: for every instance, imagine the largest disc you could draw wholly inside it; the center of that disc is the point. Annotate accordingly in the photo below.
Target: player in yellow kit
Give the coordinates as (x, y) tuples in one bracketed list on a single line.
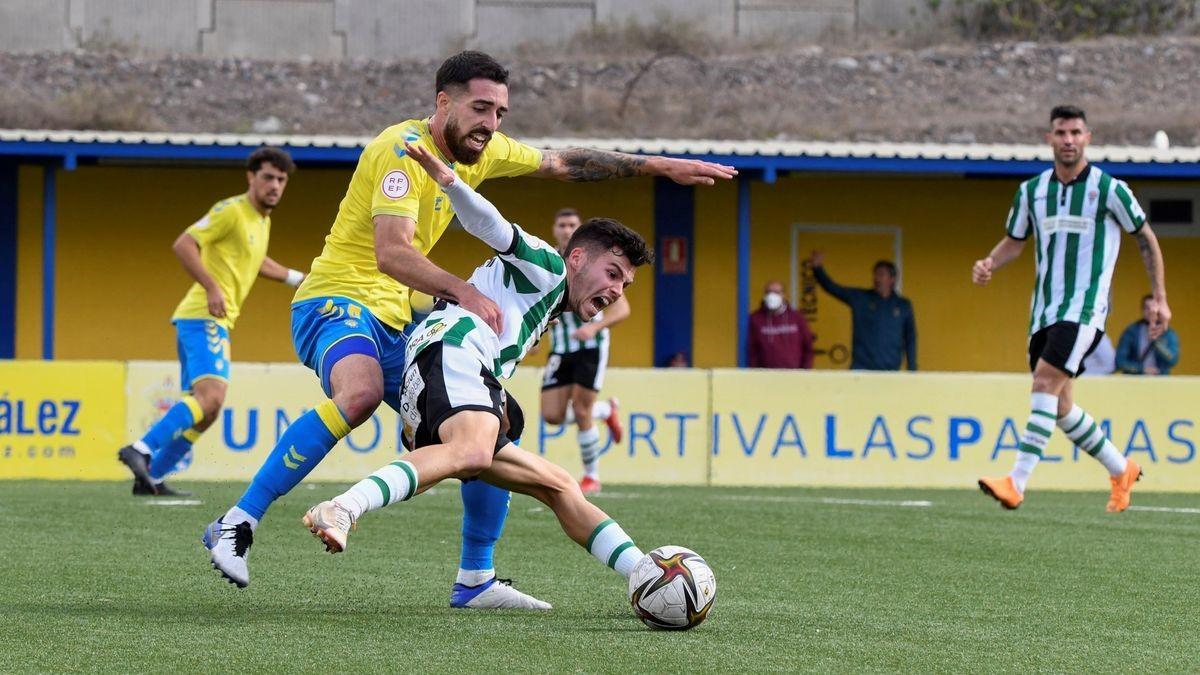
[(350, 315), (225, 251)]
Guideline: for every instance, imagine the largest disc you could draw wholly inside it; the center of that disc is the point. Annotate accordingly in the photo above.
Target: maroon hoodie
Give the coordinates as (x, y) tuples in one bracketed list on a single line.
[(779, 339)]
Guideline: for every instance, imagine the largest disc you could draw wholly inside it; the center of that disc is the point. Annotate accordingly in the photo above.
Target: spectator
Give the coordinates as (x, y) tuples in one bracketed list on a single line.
[(883, 326), (1102, 361), (1137, 354), (679, 360), (779, 336)]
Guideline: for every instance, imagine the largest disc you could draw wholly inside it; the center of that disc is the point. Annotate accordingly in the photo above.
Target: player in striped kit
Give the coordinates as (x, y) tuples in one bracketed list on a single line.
[(1076, 214), (452, 397), (575, 371)]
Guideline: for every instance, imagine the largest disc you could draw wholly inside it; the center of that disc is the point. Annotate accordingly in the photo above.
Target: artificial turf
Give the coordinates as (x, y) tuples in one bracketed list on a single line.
[(808, 580)]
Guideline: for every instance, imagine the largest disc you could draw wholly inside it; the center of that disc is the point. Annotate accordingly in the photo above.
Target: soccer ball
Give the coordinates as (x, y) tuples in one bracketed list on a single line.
[(672, 588)]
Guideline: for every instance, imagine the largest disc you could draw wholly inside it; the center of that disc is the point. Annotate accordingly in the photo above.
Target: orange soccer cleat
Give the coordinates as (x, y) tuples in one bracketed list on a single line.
[(1122, 485), (1002, 490)]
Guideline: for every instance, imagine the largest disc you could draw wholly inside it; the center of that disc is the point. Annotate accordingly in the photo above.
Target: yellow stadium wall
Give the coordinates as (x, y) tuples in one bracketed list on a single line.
[(118, 281), (947, 223)]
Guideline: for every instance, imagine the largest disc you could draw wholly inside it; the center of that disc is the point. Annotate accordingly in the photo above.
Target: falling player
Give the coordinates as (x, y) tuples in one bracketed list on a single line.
[(1076, 214), (575, 370), (451, 394), (349, 318)]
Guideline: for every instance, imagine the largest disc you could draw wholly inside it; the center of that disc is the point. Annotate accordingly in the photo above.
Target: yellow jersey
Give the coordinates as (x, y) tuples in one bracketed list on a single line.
[(233, 242), (387, 181)]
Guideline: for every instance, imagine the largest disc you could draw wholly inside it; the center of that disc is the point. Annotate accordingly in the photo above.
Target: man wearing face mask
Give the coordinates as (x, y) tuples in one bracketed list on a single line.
[(779, 336), (884, 330)]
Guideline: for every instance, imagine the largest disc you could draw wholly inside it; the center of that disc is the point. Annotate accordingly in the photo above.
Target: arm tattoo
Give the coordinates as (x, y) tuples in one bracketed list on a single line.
[(582, 164), (1149, 258)]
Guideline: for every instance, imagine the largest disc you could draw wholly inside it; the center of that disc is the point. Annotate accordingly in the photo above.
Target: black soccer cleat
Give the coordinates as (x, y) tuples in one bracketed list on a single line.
[(139, 466), (164, 490)]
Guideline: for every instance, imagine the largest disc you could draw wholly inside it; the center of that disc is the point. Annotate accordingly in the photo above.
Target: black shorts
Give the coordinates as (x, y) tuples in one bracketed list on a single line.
[(442, 381), (1064, 345), (585, 368)]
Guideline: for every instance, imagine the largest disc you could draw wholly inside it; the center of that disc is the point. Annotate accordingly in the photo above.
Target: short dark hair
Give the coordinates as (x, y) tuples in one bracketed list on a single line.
[(1146, 297), (465, 66), (568, 211), (1067, 112), (887, 265), (278, 158), (603, 234)]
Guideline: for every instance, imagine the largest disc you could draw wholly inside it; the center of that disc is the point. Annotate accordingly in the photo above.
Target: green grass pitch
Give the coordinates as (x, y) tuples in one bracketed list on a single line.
[(808, 580)]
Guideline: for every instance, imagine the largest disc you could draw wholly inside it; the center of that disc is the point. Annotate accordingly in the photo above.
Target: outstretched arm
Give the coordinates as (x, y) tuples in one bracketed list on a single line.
[(276, 272), (1152, 259), (817, 260), (478, 216), (584, 164), (1005, 252)]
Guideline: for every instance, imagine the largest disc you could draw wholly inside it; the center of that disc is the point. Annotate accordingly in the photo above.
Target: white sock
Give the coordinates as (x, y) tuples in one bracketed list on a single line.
[(1023, 469), (1085, 433), (601, 410), (393, 483), (1043, 411), (235, 515), (474, 577), (569, 416), (589, 452), (611, 546), (141, 447), (1112, 459)]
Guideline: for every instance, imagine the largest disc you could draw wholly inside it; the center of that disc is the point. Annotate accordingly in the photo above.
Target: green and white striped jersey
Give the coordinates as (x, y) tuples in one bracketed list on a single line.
[(1077, 234), (527, 279), (568, 323)]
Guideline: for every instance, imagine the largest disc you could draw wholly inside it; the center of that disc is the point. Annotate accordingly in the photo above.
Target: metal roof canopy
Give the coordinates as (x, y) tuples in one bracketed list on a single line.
[(767, 157)]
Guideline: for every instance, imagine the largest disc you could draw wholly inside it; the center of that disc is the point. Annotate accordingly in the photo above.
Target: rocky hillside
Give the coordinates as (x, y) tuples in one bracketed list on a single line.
[(963, 93)]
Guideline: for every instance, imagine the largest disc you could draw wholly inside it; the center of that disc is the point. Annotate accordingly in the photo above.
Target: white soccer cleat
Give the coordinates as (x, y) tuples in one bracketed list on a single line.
[(331, 523), (228, 545), (493, 594)]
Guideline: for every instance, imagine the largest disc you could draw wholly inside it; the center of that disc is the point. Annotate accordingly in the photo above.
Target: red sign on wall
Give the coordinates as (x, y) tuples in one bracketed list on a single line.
[(673, 252)]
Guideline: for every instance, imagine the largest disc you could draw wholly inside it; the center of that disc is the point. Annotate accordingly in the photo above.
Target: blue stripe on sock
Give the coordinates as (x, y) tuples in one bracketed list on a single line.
[(284, 469)]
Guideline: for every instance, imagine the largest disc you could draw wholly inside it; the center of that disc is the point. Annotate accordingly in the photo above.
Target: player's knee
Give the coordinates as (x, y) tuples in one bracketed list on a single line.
[(582, 411), (359, 402), (473, 457), (210, 405), (554, 417)]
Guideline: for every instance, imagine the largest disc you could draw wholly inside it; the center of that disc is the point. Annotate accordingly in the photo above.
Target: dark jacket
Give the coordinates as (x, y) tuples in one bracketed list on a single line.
[(884, 328), (1166, 350), (779, 340)]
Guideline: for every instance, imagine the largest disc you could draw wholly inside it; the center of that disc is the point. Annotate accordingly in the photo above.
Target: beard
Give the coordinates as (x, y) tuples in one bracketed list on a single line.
[(456, 142), (1061, 158)]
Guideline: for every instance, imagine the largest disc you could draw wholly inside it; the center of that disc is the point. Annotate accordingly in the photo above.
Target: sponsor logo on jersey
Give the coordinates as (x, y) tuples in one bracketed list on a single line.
[(1078, 224)]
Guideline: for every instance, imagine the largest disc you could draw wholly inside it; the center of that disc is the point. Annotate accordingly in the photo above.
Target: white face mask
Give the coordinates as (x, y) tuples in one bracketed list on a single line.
[(773, 301)]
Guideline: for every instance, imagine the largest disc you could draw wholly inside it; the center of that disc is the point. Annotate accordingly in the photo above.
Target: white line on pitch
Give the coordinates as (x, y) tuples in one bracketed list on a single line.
[(790, 499), (1163, 509), (174, 502)]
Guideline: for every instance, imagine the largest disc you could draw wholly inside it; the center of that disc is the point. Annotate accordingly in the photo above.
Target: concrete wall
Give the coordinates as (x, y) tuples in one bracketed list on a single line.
[(390, 29)]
